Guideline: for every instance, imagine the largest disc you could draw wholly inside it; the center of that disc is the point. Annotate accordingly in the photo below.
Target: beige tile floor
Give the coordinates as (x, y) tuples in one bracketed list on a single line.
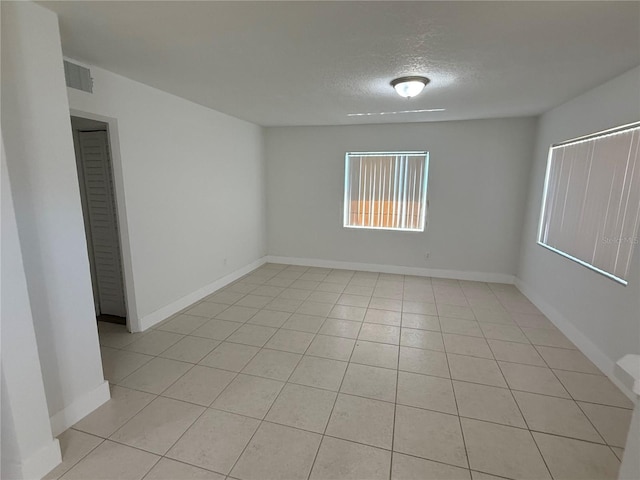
[(310, 373)]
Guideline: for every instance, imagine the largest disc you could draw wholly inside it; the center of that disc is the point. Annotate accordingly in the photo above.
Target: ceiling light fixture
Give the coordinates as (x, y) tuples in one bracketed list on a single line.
[(409, 86)]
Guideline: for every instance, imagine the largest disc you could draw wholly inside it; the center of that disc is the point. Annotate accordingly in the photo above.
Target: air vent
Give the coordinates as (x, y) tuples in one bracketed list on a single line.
[(78, 77)]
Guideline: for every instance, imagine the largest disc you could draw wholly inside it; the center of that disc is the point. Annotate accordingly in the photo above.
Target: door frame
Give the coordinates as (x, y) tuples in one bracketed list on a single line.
[(133, 321)]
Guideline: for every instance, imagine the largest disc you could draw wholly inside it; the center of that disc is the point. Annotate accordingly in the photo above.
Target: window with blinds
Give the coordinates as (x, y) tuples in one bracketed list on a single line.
[(386, 190), (591, 202)]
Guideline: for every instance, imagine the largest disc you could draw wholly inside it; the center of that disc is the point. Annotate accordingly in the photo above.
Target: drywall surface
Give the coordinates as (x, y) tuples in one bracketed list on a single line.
[(44, 187), (26, 430), (189, 186), (605, 313), (477, 192)]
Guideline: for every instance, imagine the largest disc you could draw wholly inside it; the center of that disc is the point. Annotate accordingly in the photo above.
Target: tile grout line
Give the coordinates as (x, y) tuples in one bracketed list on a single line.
[(395, 406), (376, 399), (317, 356), (207, 408), (267, 413), (349, 362), (516, 403), (185, 431), (592, 424), (339, 438), (334, 402), (102, 440), (183, 463), (381, 343), (333, 407), (455, 399), (574, 401), (525, 421)]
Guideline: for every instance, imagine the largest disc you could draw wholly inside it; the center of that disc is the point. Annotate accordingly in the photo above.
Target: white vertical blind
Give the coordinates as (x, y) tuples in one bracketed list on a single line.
[(591, 204), (386, 190)]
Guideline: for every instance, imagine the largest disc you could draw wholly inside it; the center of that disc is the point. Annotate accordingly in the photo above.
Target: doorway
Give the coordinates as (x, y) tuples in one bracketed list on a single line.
[(97, 193)]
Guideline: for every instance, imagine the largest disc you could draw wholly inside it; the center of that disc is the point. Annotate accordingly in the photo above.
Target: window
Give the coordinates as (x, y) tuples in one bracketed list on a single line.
[(591, 202), (386, 190)]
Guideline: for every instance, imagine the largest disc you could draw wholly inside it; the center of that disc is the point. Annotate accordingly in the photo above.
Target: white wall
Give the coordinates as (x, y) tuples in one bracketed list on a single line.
[(600, 315), (192, 181), (477, 193), (28, 447), (630, 467), (44, 186)]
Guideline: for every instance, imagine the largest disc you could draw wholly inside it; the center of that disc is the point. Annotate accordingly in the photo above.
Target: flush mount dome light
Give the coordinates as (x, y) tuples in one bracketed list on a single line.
[(409, 86)]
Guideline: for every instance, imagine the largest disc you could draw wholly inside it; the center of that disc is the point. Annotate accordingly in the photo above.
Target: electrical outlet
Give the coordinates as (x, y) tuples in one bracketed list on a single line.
[(427, 255), (224, 262)]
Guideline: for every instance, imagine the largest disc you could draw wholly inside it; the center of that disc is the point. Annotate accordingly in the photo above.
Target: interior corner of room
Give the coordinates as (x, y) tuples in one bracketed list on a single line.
[(130, 204)]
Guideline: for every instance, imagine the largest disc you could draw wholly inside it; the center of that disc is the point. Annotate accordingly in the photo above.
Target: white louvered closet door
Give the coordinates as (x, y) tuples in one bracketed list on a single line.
[(98, 182)]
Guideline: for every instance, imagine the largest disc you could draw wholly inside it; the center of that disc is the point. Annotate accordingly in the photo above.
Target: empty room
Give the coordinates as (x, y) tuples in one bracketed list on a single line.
[(320, 240)]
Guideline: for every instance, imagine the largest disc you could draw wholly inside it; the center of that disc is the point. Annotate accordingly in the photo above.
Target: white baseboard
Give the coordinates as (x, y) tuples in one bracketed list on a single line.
[(584, 344), (396, 269), (79, 409), (40, 463), (165, 312)]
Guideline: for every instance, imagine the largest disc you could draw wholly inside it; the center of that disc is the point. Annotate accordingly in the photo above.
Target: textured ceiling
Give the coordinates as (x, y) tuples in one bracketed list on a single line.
[(314, 63)]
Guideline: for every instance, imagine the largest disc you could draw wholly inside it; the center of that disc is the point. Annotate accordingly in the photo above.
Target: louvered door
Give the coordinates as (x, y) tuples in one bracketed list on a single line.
[(98, 182)]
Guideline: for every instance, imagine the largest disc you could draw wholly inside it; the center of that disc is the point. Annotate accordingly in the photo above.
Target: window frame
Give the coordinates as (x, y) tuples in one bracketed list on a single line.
[(423, 199), (541, 221)]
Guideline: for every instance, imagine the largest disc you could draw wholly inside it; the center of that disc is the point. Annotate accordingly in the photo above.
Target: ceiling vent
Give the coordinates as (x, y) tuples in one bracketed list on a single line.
[(78, 77)]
